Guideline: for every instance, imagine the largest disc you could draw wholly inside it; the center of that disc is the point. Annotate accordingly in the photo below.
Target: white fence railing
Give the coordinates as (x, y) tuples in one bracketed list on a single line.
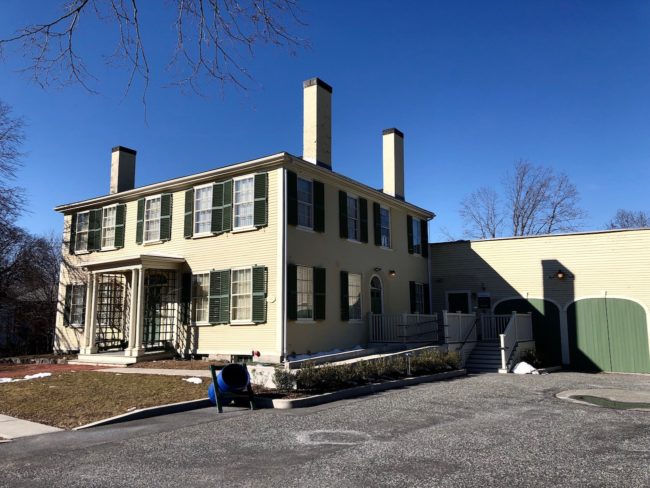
[(493, 325), (403, 328), (518, 330), (460, 333)]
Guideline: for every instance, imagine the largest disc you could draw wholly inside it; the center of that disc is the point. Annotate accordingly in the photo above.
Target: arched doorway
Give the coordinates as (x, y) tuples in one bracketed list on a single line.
[(376, 296)]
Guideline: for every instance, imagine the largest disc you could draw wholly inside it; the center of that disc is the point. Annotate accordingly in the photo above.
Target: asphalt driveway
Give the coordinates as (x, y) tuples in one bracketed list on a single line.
[(483, 431)]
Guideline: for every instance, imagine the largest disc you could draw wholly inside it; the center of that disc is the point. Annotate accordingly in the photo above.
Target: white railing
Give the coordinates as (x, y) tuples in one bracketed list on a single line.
[(518, 330), (460, 333), (403, 327), (492, 326)]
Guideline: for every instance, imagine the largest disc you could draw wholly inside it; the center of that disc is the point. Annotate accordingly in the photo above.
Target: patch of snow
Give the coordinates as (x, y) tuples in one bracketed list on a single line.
[(524, 368), (6, 380), (37, 375), (195, 380)]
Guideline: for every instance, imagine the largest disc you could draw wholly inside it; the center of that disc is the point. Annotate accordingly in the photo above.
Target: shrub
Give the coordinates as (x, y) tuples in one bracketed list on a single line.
[(284, 379)]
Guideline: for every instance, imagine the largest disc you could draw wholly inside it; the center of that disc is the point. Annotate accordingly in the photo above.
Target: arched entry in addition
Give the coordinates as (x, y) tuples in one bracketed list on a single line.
[(376, 296), (608, 334), (546, 325)]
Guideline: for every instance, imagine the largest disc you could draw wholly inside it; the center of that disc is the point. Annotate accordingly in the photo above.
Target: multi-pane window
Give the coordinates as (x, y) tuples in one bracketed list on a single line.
[(77, 304), (305, 203), (419, 298), (241, 295), (202, 209), (354, 296), (305, 291), (243, 199), (81, 231), (384, 224), (200, 299), (108, 226), (353, 218), (152, 219), (417, 237)]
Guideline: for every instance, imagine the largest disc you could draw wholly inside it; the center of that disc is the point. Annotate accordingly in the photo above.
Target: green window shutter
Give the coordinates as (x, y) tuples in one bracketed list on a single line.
[(412, 295), (260, 205), (343, 214), (319, 206), (259, 294), (345, 301), (219, 297), (409, 233), (95, 230), (424, 239), (363, 219), (292, 198), (139, 228), (186, 297), (120, 220), (67, 304), (188, 222), (216, 224), (73, 233), (292, 292), (319, 293), (376, 220), (165, 216), (227, 206), (427, 300)]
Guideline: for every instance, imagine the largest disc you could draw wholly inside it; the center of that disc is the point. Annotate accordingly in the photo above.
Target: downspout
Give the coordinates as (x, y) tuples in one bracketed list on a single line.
[(283, 273), (429, 275)]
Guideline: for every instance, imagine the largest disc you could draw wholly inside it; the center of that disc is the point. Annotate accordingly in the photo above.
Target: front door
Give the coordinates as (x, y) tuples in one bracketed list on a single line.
[(376, 305)]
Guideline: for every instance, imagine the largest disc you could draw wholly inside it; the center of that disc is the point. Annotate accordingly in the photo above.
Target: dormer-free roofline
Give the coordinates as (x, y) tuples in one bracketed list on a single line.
[(265, 163)]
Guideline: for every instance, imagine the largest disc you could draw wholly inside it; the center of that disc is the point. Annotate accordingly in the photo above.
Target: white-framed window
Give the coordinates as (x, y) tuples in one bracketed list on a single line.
[(305, 203), (354, 296), (200, 297), (353, 218), (305, 292), (384, 224), (417, 237), (243, 201), (81, 231), (77, 304), (152, 219), (108, 226), (202, 209), (419, 298), (241, 286)]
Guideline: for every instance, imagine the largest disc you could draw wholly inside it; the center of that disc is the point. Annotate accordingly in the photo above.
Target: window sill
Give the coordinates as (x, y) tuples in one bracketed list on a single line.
[(306, 229), (355, 241), (386, 248), (151, 243), (242, 322), (203, 235), (201, 324), (356, 321), (77, 326), (112, 248), (243, 229), (81, 252), (305, 321)]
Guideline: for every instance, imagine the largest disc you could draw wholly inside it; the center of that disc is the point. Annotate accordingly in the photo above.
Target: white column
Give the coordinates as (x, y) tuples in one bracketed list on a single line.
[(137, 348), (88, 319), (91, 319), (133, 312)]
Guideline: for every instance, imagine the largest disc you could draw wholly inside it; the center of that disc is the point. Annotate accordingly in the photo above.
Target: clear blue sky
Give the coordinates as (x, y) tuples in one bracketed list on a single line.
[(473, 85)]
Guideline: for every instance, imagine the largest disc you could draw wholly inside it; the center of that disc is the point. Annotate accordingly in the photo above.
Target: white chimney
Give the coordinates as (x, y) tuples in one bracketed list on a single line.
[(393, 155), (122, 169), (317, 125)]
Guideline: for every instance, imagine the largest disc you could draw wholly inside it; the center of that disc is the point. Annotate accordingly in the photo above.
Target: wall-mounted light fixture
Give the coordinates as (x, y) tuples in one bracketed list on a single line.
[(561, 275), (377, 269), (392, 272)]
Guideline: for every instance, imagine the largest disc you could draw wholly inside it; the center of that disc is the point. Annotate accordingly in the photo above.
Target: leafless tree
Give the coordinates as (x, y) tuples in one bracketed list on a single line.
[(481, 213), (212, 37), (536, 200), (629, 219), (11, 138)]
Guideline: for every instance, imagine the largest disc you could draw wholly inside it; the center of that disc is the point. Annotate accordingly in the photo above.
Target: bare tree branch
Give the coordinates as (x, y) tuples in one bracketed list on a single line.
[(210, 38), (12, 198), (481, 213), (628, 219)]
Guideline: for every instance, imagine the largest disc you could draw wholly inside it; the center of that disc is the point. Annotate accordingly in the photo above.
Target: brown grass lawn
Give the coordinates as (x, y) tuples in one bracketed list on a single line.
[(178, 364), (68, 400)]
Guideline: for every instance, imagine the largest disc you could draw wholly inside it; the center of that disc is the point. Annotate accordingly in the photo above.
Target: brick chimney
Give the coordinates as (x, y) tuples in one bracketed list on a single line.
[(317, 123), (393, 155), (122, 169)]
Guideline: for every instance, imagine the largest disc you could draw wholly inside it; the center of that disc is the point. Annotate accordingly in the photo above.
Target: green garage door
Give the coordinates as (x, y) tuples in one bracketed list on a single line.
[(546, 325), (608, 334)]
